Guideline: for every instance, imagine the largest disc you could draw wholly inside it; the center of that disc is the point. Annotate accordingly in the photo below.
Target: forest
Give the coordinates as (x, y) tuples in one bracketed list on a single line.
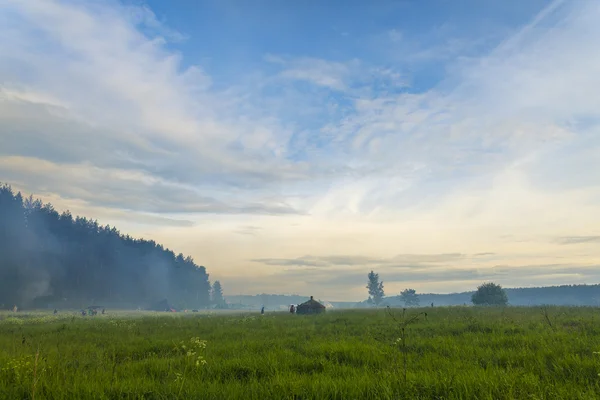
[(52, 259)]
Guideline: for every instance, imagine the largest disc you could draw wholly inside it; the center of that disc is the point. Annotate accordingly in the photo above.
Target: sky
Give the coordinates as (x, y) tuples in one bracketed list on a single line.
[(292, 147)]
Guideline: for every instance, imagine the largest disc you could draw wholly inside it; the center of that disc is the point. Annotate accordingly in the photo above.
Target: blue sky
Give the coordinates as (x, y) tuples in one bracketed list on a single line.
[(285, 145), (231, 38)]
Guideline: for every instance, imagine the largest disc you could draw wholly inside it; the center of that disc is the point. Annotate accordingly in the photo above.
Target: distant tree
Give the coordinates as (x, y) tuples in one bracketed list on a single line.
[(217, 294), (410, 298), (490, 294), (375, 288)]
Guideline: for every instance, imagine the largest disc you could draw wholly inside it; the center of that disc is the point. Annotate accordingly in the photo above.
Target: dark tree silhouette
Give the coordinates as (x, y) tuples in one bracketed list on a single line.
[(375, 288), (217, 295), (57, 260), (490, 294)]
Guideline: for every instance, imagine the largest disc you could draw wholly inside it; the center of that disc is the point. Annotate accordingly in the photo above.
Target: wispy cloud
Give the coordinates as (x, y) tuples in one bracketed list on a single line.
[(248, 230), (319, 72), (400, 260), (108, 98), (351, 77), (578, 239), (143, 17)]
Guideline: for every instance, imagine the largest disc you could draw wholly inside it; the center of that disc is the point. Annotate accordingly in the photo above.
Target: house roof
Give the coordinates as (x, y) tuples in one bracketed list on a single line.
[(312, 303)]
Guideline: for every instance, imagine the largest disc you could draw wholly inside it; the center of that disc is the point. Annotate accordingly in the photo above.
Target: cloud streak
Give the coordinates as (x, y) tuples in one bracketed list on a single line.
[(578, 239), (366, 261)]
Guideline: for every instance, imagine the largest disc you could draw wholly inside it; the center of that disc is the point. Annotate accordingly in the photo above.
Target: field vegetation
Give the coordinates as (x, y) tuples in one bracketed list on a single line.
[(442, 353)]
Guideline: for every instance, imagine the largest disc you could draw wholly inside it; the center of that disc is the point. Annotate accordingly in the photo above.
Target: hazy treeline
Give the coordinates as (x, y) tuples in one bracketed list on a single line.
[(564, 295), (573, 295), (47, 258)]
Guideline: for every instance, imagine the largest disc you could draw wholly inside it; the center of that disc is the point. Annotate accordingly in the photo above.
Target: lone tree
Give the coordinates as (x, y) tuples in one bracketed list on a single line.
[(490, 294), (375, 287), (410, 297), (217, 294)]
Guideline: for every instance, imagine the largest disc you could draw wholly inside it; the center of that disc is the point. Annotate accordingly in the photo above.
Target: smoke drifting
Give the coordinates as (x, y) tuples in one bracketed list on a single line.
[(49, 259)]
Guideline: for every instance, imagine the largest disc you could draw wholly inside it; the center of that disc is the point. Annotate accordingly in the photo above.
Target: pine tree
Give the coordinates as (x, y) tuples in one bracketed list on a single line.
[(217, 294)]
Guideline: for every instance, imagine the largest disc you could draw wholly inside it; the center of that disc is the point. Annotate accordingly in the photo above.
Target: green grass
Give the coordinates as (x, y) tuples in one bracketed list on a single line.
[(453, 353)]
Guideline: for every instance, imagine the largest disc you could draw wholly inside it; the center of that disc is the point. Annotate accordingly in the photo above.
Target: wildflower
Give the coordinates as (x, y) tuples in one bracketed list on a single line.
[(178, 376)]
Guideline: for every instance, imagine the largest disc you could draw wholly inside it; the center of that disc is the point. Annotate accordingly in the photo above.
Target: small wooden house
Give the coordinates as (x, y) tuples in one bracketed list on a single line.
[(310, 307)]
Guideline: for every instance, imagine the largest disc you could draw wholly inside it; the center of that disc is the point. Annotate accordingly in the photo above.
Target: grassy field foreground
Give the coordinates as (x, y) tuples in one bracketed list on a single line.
[(452, 353)]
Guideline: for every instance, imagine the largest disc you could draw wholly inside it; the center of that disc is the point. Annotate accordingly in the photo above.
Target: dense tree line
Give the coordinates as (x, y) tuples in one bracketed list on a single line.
[(53, 259)]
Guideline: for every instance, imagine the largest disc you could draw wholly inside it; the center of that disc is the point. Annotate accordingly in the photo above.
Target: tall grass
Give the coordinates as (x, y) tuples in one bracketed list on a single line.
[(453, 353)]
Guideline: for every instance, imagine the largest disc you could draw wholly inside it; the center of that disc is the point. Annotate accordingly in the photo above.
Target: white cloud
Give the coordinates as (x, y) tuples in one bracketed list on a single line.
[(90, 76), (351, 77), (328, 74)]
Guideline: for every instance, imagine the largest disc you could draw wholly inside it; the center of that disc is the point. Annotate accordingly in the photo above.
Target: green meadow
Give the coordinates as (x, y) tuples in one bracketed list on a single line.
[(449, 353)]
